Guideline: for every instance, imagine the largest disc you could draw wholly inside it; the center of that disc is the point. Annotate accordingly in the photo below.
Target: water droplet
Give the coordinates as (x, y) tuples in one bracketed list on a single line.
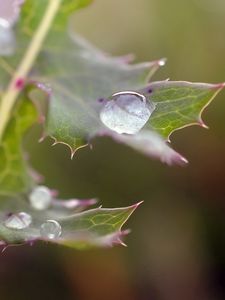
[(127, 112), (40, 197), (162, 62), (7, 38), (18, 221), (51, 229)]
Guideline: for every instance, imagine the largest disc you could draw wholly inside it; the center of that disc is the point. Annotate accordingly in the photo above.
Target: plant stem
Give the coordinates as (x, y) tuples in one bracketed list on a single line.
[(14, 88)]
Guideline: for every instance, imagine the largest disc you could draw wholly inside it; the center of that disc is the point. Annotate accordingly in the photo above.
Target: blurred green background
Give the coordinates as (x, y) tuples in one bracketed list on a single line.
[(177, 246)]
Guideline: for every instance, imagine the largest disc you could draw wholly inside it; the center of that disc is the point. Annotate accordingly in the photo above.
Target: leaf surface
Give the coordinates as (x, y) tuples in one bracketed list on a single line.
[(15, 174), (87, 79), (97, 227)]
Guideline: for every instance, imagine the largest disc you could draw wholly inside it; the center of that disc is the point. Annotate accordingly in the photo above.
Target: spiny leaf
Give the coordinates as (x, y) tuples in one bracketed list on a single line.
[(14, 173), (86, 77), (92, 228), (98, 227), (83, 84), (179, 104)]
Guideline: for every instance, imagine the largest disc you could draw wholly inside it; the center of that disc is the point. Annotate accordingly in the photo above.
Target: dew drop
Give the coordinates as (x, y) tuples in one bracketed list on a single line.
[(40, 198), (51, 229), (162, 62), (7, 38), (18, 221), (127, 112)]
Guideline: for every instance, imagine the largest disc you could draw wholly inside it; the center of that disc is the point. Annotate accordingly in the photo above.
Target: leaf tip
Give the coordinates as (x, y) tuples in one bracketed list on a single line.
[(183, 160), (136, 205), (202, 124), (161, 62), (218, 86)]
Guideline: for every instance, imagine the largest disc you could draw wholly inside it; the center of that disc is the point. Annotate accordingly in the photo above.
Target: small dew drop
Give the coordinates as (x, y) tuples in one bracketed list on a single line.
[(40, 198), (18, 221), (127, 112), (162, 62), (7, 38), (51, 229)]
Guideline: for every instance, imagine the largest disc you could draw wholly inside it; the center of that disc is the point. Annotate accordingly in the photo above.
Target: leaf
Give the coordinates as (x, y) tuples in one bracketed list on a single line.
[(86, 77), (33, 11), (93, 228), (150, 144), (97, 227), (83, 84), (179, 104), (14, 172)]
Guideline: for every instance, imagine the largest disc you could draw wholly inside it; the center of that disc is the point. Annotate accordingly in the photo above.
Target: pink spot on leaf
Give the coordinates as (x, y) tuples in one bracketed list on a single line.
[(19, 84)]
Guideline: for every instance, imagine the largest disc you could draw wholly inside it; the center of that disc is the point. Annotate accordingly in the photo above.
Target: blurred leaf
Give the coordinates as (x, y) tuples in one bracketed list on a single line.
[(14, 172), (93, 228), (32, 13), (152, 145)]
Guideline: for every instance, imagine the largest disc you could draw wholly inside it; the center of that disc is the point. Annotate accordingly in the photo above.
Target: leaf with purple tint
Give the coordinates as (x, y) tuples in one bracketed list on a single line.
[(80, 85), (97, 227), (22, 219), (84, 84), (152, 145), (10, 9)]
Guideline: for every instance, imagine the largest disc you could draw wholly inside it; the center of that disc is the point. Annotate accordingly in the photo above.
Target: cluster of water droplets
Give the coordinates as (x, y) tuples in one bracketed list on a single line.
[(40, 199), (126, 112), (7, 38)]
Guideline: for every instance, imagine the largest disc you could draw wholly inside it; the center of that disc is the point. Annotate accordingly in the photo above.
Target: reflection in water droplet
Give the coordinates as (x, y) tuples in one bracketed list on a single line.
[(162, 62), (51, 229), (18, 221), (127, 112), (40, 197), (7, 38)]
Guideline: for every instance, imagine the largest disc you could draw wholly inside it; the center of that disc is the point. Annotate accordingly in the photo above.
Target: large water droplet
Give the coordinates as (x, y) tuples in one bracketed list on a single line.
[(18, 221), (40, 197), (7, 38), (127, 112), (51, 229)]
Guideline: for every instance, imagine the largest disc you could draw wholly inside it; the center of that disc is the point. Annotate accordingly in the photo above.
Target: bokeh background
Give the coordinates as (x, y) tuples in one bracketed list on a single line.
[(176, 250)]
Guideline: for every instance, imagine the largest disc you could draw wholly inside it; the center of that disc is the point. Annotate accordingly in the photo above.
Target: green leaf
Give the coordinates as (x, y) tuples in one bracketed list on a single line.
[(14, 171), (86, 76), (33, 11), (97, 227), (179, 104)]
